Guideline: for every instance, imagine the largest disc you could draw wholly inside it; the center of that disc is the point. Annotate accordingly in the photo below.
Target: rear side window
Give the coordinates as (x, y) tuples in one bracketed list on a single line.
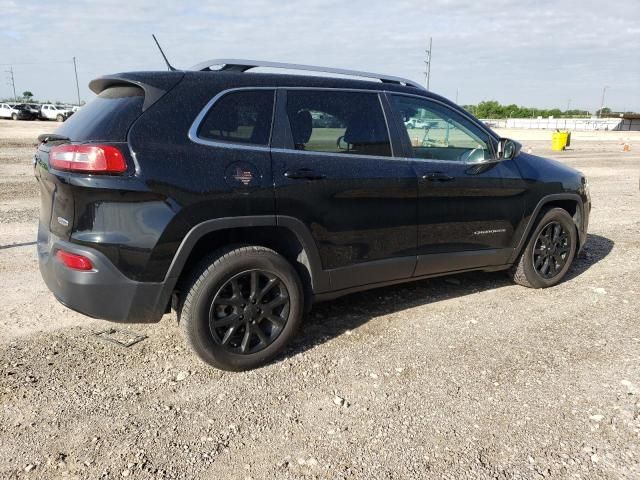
[(338, 122), (107, 117), (240, 117)]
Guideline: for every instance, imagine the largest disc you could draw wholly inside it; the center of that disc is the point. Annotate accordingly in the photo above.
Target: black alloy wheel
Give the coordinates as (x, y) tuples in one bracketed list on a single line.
[(548, 254), (249, 312), (551, 250), (241, 305)]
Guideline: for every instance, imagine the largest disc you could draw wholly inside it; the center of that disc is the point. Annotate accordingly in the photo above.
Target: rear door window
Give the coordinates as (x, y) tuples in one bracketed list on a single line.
[(340, 122), (107, 117), (240, 117)]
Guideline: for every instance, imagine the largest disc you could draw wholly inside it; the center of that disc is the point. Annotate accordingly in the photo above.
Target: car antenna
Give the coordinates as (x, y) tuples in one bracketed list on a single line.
[(171, 69)]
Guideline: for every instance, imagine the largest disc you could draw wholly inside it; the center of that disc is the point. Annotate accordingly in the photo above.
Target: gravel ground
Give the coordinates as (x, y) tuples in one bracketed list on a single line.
[(460, 377)]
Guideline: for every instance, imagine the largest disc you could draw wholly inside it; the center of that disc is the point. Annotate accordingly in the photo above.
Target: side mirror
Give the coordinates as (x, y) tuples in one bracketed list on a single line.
[(508, 149)]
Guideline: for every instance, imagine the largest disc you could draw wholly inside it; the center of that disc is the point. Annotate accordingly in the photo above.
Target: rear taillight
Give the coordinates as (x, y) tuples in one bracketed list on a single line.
[(74, 261), (87, 158)]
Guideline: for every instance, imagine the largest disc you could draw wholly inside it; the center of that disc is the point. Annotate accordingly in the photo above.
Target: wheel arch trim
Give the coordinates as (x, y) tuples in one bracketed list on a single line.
[(319, 278), (534, 216)]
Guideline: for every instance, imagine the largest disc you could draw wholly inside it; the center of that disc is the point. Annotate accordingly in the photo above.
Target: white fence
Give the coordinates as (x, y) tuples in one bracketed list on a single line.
[(574, 124)]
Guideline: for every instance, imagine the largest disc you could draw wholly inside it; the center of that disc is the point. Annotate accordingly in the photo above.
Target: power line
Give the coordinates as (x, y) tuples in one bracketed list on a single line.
[(604, 90), (427, 63), (75, 69), (35, 63), (13, 83)]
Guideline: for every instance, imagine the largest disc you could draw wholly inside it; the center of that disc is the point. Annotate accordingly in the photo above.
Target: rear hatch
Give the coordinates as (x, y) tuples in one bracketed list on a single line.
[(105, 120)]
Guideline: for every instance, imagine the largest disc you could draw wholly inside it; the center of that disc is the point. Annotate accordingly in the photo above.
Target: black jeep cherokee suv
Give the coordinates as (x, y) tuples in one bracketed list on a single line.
[(241, 198)]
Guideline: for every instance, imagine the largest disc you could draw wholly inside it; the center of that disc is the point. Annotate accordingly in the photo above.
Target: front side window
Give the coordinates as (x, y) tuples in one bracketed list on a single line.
[(338, 122), (439, 133), (240, 117)]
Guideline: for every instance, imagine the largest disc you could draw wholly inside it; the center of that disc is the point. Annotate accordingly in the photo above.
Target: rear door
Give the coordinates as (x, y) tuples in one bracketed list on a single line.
[(467, 212), (335, 171)]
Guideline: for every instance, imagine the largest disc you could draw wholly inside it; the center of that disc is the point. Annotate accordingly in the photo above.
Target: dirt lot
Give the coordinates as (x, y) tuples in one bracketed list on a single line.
[(462, 377)]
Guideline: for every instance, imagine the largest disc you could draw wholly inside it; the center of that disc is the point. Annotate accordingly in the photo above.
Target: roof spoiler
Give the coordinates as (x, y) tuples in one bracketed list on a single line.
[(154, 84)]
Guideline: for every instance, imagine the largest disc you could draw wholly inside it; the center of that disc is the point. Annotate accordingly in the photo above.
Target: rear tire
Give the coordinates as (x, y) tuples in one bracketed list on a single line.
[(548, 254), (243, 304)]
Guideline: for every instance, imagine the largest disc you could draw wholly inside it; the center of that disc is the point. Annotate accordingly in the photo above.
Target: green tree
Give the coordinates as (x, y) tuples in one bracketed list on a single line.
[(27, 95)]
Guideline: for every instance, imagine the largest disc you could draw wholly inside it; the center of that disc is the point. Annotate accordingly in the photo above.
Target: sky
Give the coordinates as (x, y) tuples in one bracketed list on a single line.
[(538, 53)]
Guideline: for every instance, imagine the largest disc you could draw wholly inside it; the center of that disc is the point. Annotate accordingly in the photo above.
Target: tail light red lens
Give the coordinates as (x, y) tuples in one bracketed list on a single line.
[(74, 261), (87, 158)]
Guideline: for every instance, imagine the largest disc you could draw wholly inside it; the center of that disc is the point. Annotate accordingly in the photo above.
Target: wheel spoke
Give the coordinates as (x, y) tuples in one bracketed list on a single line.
[(228, 320), (277, 321), (231, 302), (228, 335), (254, 284), (268, 287), (276, 302), (235, 288), (545, 266), (245, 340), (557, 230), (260, 334), (552, 266)]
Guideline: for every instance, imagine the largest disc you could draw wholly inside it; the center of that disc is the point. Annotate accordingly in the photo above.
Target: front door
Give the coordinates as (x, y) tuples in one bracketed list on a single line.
[(467, 210), (337, 174)]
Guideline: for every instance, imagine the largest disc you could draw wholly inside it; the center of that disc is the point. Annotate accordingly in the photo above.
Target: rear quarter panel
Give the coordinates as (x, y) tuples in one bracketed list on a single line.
[(190, 177)]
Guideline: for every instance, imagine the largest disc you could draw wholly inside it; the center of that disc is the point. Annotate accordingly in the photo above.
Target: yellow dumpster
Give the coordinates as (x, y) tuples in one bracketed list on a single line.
[(559, 140)]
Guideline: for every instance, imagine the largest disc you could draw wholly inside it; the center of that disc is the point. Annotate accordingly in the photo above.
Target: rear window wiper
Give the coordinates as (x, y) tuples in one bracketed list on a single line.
[(52, 137)]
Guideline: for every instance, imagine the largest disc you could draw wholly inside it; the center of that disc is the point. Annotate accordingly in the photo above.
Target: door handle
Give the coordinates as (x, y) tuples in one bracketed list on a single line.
[(304, 174), (437, 177)]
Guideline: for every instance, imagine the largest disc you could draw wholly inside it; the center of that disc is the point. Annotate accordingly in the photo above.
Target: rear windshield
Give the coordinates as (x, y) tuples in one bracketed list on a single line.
[(105, 118)]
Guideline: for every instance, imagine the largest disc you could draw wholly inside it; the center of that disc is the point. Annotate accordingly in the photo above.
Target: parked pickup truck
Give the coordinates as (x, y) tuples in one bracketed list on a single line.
[(54, 112)]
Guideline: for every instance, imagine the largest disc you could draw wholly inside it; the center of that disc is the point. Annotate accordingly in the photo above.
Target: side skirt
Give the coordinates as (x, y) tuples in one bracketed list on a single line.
[(321, 297)]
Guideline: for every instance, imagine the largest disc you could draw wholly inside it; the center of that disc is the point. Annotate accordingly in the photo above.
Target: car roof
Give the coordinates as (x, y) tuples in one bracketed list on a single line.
[(234, 79)]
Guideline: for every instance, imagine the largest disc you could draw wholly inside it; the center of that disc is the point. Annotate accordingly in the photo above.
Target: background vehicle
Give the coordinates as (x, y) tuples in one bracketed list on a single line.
[(23, 112), (419, 123), (269, 192), (7, 111), (54, 112), (34, 108)]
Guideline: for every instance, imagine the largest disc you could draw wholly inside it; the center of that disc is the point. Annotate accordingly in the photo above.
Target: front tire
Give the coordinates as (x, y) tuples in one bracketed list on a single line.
[(60, 118), (243, 304), (14, 116), (548, 254)]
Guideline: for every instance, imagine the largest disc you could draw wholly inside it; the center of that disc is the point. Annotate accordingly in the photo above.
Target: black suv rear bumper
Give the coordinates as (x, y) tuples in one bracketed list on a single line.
[(102, 292)]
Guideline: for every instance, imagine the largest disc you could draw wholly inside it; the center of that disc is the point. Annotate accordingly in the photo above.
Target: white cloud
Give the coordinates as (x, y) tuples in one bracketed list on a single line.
[(537, 53)]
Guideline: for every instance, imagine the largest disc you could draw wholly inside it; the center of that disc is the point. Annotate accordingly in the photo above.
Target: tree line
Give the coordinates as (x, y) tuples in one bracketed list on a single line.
[(493, 109)]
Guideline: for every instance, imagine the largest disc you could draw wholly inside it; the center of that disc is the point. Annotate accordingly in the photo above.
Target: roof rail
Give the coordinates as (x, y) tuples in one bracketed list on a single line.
[(239, 65)]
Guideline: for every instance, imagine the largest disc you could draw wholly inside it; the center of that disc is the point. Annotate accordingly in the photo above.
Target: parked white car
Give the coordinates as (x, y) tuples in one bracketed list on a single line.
[(54, 112), (7, 111)]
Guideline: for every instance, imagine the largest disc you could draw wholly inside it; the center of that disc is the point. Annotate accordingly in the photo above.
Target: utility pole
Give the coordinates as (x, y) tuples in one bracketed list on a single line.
[(602, 101), (568, 105), (456, 96), (427, 63), (75, 69), (13, 83)]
